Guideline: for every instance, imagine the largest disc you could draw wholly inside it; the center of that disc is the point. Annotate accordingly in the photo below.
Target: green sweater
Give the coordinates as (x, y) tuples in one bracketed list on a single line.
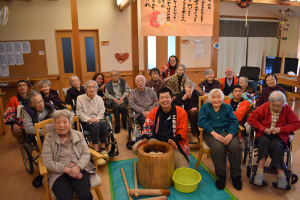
[(222, 121)]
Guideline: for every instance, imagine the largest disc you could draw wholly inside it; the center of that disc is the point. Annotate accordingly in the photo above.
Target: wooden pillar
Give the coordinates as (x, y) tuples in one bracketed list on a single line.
[(134, 40), (215, 37), (161, 51), (263, 67), (76, 44), (282, 64), (279, 42)]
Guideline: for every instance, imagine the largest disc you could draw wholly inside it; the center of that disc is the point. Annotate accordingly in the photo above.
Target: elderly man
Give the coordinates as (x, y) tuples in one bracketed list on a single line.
[(116, 92), (75, 90), (189, 101), (142, 100), (228, 81), (155, 82), (239, 105), (11, 112), (36, 111), (167, 123)]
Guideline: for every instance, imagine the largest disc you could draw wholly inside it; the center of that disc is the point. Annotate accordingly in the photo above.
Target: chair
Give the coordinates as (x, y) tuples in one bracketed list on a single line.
[(134, 130), (251, 168), (95, 181), (204, 148)]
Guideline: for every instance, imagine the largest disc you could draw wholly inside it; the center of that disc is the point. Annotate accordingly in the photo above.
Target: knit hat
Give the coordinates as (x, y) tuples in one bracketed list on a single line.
[(140, 76)]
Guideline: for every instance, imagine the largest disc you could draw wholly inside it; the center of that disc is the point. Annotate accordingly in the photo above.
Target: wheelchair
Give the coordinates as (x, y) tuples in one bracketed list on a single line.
[(111, 139), (251, 168), (134, 130)]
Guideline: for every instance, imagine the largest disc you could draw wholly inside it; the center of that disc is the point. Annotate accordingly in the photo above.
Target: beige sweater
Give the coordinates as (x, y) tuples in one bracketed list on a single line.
[(87, 109)]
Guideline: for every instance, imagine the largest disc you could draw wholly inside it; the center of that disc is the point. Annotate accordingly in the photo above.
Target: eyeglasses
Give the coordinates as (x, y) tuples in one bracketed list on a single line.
[(229, 72), (275, 107), (39, 102)]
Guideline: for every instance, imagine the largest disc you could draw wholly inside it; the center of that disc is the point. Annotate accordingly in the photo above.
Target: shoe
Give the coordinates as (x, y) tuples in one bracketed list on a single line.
[(117, 129), (101, 162), (104, 154), (281, 182), (258, 179), (237, 182), (220, 183)]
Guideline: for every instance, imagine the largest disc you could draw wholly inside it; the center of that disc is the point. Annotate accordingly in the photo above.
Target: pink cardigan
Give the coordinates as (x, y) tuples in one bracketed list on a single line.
[(287, 121)]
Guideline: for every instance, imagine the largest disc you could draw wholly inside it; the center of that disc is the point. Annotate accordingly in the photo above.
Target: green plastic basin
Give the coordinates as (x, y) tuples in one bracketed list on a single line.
[(186, 179)]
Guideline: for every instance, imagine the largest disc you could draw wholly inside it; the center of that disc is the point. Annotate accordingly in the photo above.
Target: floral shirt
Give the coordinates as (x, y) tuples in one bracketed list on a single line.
[(53, 98)]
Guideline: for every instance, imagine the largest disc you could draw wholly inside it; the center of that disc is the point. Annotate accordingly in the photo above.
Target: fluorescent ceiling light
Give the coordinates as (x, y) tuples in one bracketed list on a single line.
[(119, 2)]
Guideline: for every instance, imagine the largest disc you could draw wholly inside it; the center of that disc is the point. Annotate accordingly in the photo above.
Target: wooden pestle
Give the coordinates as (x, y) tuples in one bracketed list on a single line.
[(149, 192), (126, 184), (136, 195), (158, 198)]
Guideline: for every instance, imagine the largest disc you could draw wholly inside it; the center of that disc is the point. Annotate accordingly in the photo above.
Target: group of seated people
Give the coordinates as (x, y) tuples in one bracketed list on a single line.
[(163, 106)]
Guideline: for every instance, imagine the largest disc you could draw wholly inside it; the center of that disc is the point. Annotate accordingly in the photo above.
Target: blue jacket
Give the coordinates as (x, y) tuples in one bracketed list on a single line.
[(222, 121)]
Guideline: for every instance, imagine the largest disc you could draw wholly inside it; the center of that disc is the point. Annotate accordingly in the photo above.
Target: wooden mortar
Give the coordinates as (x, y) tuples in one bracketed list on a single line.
[(155, 171)]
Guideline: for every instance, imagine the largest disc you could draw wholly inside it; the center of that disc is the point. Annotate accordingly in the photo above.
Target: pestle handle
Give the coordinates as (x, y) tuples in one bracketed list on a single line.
[(126, 184)]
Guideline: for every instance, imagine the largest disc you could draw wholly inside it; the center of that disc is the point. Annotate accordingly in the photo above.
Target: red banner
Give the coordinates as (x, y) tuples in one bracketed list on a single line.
[(177, 17)]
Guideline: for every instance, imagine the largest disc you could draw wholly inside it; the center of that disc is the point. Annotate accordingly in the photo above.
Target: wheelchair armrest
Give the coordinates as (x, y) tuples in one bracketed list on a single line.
[(95, 154), (253, 128), (42, 167)]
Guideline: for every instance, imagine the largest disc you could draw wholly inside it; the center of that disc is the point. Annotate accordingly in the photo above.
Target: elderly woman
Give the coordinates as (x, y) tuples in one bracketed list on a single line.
[(169, 69), (177, 81), (49, 95), (271, 85), (142, 100), (155, 82), (209, 84), (90, 110), (99, 78), (189, 100), (243, 81), (220, 133), (67, 159), (75, 90), (273, 121)]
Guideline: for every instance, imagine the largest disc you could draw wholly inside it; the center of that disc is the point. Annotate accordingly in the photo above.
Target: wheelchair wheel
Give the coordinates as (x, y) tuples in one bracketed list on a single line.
[(130, 144), (37, 181), (27, 158), (129, 130)]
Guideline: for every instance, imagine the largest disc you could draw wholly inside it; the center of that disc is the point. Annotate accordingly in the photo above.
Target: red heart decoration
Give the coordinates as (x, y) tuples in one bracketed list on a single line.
[(121, 57)]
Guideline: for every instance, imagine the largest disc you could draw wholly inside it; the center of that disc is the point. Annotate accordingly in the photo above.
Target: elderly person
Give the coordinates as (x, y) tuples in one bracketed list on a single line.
[(228, 81), (209, 84), (220, 133), (243, 81), (169, 69), (189, 101), (239, 105), (67, 159), (36, 111), (167, 123), (116, 92), (142, 100), (273, 120), (271, 85), (99, 78), (155, 82), (49, 95), (177, 81), (11, 114), (75, 90), (90, 110)]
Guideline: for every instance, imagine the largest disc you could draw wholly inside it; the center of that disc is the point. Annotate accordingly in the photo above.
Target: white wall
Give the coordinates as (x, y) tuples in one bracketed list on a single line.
[(290, 46), (38, 19)]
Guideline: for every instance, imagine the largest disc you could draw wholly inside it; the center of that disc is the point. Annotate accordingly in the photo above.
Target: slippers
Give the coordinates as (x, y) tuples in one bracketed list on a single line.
[(104, 154)]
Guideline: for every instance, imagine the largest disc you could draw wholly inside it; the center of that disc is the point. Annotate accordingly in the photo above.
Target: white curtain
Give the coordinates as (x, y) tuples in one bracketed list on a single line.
[(232, 53)]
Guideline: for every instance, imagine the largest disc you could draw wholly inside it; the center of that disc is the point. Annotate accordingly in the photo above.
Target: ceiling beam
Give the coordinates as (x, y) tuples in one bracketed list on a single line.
[(274, 2), (124, 5)]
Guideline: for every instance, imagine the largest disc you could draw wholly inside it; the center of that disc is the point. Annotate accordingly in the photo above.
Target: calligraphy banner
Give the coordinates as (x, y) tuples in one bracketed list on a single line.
[(177, 17)]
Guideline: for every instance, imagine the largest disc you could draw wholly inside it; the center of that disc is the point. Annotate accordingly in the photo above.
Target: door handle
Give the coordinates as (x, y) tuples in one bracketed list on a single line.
[(2, 93)]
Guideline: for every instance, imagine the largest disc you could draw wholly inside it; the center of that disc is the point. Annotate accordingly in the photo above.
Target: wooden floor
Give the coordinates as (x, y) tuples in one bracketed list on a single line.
[(16, 182)]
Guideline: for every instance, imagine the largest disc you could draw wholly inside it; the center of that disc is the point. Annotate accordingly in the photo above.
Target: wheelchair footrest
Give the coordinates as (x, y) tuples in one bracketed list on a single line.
[(274, 184), (113, 154), (264, 183)]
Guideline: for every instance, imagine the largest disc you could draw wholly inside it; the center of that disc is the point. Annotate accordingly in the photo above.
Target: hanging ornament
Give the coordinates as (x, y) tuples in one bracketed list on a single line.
[(287, 29), (280, 19), (243, 3), (285, 38), (289, 14), (288, 10), (287, 19), (282, 13), (288, 24), (281, 23), (280, 10), (278, 37)]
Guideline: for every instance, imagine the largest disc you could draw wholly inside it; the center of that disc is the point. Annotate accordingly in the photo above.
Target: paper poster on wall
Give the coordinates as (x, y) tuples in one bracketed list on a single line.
[(18, 47), (26, 47), (3, 60), (9, 46), (2, 48), (19, 59), (11, 60), (177, 17), (4, 70), (198, 48)]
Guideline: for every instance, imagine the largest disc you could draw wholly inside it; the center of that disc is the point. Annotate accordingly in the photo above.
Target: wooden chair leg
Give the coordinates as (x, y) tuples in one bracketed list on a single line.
[(98, 193), (208, 155), (199, 158)]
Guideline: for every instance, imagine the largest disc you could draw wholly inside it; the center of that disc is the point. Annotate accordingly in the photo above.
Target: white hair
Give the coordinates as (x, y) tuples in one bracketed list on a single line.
[(277, 96), (208, 71), (70, 80), (91, 81), (64, 112), (213, 91), (44, 81), (190, 84), (183, 67), (30, 96), (114, 71), (245, 79)]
